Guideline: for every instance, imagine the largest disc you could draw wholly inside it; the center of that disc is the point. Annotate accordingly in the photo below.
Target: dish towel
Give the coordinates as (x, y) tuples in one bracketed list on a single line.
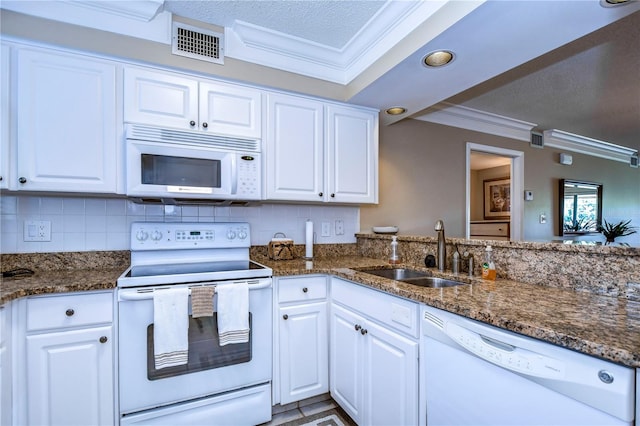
[(233, 313), (202, 301), (171, 327)]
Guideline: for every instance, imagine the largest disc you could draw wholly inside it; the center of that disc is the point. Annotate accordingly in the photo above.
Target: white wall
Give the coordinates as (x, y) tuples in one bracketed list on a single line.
[(88, 224)]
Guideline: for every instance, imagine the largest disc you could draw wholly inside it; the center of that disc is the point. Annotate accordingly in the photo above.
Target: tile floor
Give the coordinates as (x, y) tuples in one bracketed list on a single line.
[(301, 409)]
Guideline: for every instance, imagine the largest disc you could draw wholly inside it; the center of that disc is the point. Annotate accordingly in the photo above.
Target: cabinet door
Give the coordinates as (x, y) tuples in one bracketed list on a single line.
[(294, 149), (161, 99), (346, 361), (66, 123), (390, 378), (5, 134), (69, 377), (304, 352), (230, 110), (352, 155)]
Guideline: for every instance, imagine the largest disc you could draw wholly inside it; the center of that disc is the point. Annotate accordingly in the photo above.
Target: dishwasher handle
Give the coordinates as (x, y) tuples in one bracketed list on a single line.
[(497, 343)]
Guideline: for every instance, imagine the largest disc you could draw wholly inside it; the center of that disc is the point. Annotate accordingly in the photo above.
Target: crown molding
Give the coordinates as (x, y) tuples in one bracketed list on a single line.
[(393, 22), (141, 19), (584, 145), (479, 121)]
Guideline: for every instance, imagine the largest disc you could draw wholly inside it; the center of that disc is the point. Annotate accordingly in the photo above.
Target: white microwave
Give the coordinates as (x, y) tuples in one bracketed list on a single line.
[(179, 164)]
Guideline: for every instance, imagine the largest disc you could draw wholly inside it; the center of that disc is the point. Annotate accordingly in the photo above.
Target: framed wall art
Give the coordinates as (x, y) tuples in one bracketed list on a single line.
[(497, 198)]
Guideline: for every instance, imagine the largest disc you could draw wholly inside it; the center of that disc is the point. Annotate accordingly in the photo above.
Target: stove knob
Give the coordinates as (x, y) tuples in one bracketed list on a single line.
[(142, 235), (242, 234), (156, 235), (231, 234)]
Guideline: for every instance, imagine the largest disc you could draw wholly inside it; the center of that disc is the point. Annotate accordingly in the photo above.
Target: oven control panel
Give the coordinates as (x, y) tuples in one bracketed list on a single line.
[(176, 235)]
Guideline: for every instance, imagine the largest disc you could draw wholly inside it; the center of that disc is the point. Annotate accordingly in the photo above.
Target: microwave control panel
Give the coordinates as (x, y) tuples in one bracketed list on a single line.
[(249, 173)]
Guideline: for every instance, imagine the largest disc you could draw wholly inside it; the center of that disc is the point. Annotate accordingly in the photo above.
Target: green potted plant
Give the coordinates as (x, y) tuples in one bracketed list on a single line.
[(613, 231)]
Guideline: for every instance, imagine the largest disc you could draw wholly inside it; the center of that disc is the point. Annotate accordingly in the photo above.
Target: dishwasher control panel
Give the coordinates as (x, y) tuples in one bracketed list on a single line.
[(505, 355)]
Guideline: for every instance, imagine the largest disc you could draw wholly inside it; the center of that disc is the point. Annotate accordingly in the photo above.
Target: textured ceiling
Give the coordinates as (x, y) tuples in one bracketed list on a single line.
[(589, 87), (329, 22)]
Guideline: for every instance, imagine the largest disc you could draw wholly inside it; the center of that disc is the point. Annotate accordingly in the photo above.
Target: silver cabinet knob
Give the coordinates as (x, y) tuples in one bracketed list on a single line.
[(363, 331), (304, 289), (103, 339), (22, 180), (333, 195), (205, 125), (285, 317), (70, 312), (357, 327), (320, 194), (192, 123)]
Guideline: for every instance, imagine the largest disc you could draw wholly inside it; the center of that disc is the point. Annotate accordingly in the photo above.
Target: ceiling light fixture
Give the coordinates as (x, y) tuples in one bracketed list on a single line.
[(612, 3), (438, 58), (395, 110)]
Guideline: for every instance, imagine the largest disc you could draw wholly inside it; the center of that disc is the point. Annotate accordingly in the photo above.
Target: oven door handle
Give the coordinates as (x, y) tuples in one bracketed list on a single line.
[(148, 293)]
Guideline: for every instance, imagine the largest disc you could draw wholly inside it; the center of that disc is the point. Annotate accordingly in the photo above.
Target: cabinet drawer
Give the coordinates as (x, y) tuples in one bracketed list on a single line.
[(492, 229), (304, 288), (63, 311), (391, 311)]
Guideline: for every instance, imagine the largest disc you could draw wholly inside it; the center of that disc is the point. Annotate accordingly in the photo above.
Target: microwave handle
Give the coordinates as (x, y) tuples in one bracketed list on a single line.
[(234, 173)]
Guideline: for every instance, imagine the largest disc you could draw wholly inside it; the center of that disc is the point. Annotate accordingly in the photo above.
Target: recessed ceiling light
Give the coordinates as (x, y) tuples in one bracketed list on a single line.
[(395, 110), (611, 3), (438, 58)]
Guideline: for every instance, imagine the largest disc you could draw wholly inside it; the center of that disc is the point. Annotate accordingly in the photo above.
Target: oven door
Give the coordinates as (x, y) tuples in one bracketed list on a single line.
[(211, 369)]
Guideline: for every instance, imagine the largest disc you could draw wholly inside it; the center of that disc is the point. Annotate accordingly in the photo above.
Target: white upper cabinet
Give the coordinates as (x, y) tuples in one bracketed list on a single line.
[(5, 107), (352, 152), (320, 152), (231, 110), (180, 101), (168, 100), (294, 148), (67, 124)]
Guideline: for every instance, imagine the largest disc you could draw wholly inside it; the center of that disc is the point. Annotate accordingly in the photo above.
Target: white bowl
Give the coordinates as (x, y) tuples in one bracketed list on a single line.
[(385, 229)]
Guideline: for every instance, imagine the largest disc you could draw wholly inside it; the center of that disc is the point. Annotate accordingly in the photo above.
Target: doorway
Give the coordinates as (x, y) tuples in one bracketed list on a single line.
[(512, 159)]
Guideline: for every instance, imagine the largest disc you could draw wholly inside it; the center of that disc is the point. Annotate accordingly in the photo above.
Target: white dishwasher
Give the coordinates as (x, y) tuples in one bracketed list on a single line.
[(476, 374)]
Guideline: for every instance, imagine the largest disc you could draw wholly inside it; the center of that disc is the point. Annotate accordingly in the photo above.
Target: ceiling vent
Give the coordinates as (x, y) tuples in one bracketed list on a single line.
[(537, 141), (197, 43)]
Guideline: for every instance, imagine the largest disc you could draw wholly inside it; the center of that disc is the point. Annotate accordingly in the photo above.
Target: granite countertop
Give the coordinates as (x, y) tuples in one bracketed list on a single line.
[(602, 326), (58, 281)]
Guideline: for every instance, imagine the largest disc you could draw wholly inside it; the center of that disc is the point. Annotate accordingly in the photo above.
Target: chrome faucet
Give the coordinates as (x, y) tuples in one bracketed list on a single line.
[(442, 247)]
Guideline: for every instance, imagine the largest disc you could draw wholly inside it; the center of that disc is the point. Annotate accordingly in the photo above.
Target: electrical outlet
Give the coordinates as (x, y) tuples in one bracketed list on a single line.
[(37, 230), (326, 229), (339, 227), (543, 218)]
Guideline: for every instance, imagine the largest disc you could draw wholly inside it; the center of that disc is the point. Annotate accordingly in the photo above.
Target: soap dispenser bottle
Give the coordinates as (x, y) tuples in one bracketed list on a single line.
[(488, 267), (394, 258)]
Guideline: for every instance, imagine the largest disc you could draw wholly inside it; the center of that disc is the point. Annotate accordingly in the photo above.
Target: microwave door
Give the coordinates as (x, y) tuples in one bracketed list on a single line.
[(159, 170)]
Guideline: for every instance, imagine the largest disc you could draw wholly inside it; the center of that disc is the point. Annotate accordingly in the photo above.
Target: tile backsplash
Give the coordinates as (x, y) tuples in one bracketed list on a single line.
[(88, 224)]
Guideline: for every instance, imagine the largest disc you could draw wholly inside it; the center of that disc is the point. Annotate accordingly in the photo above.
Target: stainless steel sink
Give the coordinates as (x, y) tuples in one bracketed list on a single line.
[(411, 276), (433, 282), (398, 274)]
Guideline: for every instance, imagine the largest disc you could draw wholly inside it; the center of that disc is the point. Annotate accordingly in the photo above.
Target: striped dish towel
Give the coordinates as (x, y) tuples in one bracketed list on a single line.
[(202, 301), (171, 327), (233, 313)]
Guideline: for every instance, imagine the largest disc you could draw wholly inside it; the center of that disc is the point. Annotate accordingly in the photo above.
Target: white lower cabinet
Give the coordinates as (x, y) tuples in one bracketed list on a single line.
[(69, 354), (302, 338), (373, 355), (5, 365)]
